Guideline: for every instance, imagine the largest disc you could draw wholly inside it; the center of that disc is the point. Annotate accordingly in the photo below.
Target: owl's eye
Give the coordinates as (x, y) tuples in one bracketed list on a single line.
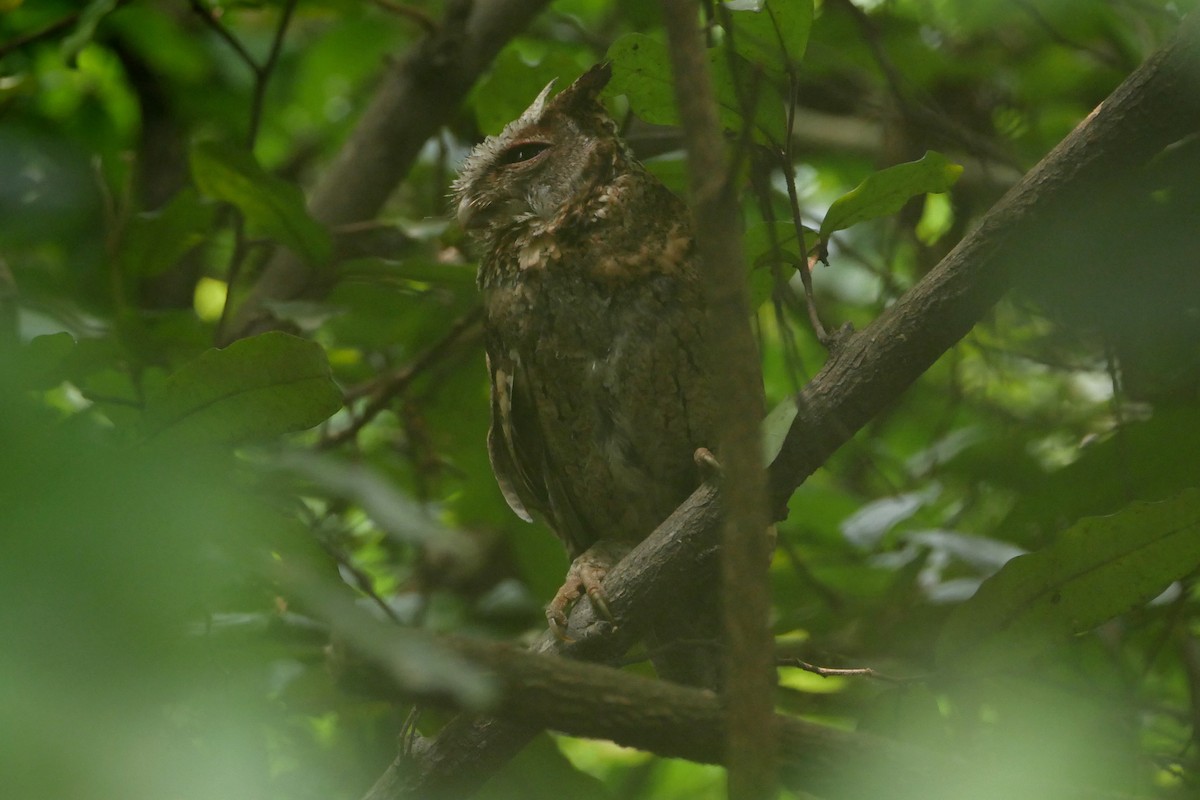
[(522, 152)]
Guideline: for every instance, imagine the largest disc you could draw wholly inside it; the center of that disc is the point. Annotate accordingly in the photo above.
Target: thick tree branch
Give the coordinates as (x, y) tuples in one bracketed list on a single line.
[(1157, 105), (417, 96), (599, 702)]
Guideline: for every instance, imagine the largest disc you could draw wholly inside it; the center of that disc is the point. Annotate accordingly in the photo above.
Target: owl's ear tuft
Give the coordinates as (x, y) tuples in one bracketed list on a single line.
[(587, 87)]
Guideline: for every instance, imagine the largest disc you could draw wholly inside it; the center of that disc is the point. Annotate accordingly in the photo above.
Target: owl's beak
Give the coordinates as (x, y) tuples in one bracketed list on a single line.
[(470, 216)]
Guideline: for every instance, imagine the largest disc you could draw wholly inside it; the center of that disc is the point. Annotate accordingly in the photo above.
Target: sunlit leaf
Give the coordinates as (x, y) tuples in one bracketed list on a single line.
[(766, 242), (229, 173), (886, 191), (512, 83), (773, 33), (775, 427), (642, 72), (1099, 568), (256, 388)]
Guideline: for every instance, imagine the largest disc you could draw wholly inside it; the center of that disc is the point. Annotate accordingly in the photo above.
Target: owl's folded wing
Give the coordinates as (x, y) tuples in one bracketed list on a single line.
[(520, 458)]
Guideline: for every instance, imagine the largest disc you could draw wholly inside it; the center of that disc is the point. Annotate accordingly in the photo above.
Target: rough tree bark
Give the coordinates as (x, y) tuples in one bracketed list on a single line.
[(1155, 106), (595, 701)]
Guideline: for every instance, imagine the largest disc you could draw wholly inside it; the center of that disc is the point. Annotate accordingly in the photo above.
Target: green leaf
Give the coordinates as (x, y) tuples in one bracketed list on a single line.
[(775, 427), (642, 72), (256, 388), (1099, 568), (768, 242), (771, 33), (512, 83), (888, 190), (1149, 459), (154, 242), (228, 173)]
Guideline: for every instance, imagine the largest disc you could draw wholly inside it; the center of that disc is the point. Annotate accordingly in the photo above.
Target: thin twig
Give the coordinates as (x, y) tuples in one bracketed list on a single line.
[(426, 22), (262, 76), (806, 261), (1103, 58), (384, 390), (50, 29), (211, 21), (262, 73), (362, 580), (847, 672)]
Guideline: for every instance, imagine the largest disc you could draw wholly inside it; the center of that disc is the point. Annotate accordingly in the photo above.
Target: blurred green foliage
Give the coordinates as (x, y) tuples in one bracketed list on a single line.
[(189, 537)]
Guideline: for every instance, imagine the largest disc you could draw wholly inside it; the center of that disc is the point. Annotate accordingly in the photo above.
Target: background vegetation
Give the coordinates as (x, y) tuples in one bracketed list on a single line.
[(219, 567)]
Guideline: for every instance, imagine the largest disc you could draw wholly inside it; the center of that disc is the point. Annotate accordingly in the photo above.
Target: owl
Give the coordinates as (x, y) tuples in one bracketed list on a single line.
[(594, 330)]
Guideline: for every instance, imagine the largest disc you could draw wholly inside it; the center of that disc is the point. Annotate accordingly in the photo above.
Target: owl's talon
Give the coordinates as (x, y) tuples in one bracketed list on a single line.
[(557, 618), (600, 603)]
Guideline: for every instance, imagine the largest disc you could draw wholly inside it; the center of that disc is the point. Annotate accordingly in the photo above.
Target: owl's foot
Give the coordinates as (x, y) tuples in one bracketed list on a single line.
[(585, 576)]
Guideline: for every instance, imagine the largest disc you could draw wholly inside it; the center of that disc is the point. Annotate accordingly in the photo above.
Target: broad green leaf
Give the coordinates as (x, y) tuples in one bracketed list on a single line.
[(642, 72), (155, 241), (256, 388), (888, 190), (228, 173), (762, 238), (1149, 459), (772, 33), (512, 83), (1099, 568)]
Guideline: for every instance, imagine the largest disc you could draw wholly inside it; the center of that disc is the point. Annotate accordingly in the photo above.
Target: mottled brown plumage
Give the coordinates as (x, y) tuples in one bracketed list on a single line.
[(595, 325)]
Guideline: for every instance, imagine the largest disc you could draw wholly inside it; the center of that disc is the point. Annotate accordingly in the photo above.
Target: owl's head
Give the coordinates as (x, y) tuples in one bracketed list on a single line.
[(542, 161)]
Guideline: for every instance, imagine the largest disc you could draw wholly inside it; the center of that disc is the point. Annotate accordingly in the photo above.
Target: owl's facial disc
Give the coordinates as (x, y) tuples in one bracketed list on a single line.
[(521, 158)]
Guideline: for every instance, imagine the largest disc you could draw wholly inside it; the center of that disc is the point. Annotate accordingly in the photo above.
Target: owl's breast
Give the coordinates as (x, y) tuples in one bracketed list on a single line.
[(610, 377)]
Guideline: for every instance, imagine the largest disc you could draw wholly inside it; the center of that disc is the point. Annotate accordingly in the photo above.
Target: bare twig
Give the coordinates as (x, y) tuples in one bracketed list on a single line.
[(844, 672), (262, 76), (750, 746), (210, 19), (409, 12), (384, 390), (61, 25), (263, 72)]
